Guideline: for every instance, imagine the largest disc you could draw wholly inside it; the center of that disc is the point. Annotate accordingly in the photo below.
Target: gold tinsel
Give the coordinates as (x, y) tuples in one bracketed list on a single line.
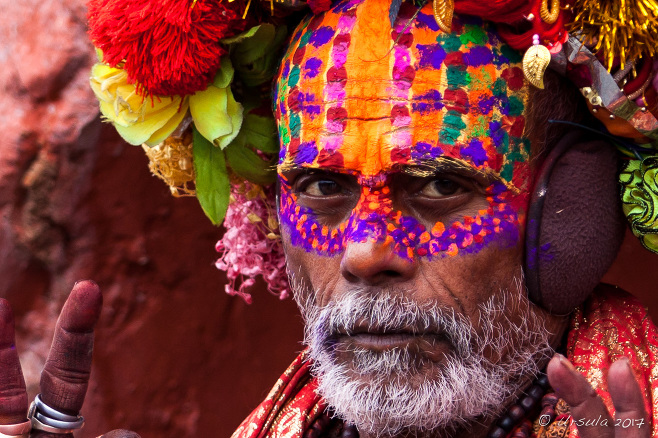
[(171, 161), (626, 29)]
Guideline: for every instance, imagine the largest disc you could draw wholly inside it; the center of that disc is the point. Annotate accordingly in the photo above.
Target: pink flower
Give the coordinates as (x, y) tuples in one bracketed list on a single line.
[(251, 245)]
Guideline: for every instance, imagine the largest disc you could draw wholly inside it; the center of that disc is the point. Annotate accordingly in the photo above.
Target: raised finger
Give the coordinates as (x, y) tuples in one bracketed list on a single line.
[(587, 408), (630, 415), (13, 396), (65, 377)]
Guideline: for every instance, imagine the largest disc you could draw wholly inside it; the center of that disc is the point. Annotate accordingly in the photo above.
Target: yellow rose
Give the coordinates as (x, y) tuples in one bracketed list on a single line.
[(138, 118)]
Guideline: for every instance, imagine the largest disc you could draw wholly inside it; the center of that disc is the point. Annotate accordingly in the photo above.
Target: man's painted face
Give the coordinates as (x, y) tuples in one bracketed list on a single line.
[(368, 101), (404, 178)]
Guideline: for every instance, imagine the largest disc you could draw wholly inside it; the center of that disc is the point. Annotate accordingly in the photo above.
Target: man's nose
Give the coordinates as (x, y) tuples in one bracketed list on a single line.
[(376, 263)]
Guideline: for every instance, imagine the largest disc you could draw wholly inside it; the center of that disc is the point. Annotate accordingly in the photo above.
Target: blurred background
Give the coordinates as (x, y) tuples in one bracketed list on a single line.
[(175, 356)]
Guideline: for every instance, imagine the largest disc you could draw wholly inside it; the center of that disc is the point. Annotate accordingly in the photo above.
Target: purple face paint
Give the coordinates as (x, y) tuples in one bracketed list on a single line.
[(375, 219)]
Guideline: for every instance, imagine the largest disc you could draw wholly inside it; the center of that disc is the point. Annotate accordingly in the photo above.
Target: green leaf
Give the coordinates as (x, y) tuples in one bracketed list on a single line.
[(256, 58), (212, 183), (240, 37), (224, 76), (256, 45), (261, 133), (248, 165)]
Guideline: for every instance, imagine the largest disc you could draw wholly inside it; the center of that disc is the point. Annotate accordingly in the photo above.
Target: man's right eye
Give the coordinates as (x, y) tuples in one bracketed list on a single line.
[(323, 187), (330, 196)]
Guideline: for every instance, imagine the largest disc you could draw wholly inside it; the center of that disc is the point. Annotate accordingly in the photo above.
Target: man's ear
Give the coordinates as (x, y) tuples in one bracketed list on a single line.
[(575, 223)]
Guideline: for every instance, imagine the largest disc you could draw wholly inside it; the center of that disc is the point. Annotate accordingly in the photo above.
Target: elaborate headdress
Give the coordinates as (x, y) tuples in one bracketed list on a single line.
[(191, 81)]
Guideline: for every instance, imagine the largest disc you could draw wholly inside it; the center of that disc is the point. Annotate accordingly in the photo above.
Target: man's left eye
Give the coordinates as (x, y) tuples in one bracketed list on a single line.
[(323, 188), (439, 188)]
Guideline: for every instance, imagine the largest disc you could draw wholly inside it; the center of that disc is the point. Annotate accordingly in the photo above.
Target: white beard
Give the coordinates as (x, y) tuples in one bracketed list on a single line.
[(394, 391)]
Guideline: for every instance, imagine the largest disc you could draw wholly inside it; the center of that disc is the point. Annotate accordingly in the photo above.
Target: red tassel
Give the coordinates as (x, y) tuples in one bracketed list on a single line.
[(512, 12), (170, 47)]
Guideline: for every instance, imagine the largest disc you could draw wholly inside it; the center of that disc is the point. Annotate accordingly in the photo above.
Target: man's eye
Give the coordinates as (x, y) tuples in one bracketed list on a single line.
[(323, 188), (440, 188)]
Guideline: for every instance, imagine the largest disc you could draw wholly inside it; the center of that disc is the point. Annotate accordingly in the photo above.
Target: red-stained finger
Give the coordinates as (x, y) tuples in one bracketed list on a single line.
[(65, 377), (120, 433), (587, 408), (13, 397), (631, 420)]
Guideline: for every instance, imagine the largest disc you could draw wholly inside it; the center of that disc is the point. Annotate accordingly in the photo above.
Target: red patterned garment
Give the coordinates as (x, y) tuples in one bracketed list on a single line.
[(290, 407), (612, 324)]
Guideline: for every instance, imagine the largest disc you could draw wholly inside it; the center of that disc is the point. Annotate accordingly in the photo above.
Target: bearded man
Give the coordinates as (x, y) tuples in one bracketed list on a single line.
[(405, 183), (440, 235)]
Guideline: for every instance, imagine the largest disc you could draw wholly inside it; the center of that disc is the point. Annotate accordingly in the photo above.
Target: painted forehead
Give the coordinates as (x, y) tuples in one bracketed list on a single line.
[(355, 94)]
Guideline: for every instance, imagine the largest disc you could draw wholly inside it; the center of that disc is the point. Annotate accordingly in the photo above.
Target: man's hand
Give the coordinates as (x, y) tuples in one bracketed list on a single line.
[(631, 419), (65, 377)]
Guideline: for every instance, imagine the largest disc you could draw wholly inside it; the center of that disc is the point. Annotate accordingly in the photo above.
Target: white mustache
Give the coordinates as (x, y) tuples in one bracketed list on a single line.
[(389, 313)]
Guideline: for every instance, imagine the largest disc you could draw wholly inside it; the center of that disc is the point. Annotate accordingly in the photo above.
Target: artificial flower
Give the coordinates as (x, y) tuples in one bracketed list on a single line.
[(250, 246), (639, 184), (138, 119), (170, 47), (172, 160)]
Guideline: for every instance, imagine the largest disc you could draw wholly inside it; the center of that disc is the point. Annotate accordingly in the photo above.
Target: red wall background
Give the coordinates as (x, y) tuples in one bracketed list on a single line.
[(175, 356)]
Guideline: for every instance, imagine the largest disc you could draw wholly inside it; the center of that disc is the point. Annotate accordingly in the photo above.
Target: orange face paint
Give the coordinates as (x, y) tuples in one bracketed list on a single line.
[(357, 95)]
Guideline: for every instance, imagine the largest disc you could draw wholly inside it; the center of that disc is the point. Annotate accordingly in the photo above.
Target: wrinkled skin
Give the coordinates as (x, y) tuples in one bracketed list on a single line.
[(460, 282)]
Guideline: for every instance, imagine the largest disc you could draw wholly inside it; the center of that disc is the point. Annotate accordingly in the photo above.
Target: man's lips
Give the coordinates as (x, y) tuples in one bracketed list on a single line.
[(390, 340), (372, 338)]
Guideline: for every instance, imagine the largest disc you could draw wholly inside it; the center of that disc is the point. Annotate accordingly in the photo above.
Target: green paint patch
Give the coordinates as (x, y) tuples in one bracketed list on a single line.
[(508, 171), (474, 34), (453, 125), (457, 77), (295, 125), (450, 43), (305, 38), (293, 77), (516, 106), (500, 88), (284, 134)]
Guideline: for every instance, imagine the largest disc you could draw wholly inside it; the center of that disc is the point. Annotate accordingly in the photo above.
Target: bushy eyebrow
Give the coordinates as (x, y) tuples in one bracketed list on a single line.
[(421, 168), (295, 168), (447, 165)]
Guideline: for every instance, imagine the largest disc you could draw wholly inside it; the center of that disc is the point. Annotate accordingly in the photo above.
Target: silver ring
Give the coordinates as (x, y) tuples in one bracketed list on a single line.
[(73, 425), (52, 413), (15, 430), (41, 421), (38, 425)]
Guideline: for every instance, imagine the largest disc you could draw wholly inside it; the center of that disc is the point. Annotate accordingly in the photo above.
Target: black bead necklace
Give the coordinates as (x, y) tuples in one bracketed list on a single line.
[(328, 426), (521, 409)]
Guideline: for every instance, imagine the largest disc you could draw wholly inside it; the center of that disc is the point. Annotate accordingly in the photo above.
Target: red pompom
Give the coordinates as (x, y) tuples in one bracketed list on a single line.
[(170, 47), (318, 6)]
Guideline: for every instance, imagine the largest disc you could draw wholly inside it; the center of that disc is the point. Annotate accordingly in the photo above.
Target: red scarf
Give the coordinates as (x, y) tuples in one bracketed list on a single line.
[(610, 325)]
